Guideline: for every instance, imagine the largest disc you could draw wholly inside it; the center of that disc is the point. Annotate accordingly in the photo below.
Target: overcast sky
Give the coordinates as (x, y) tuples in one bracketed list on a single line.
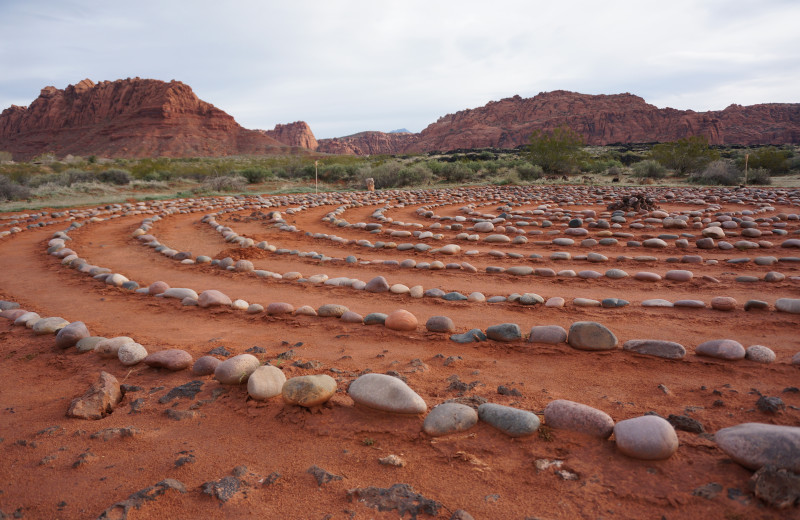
[(346, 66)]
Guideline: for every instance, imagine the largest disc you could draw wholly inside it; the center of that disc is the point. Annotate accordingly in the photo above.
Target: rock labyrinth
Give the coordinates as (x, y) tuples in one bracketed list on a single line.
[(498, 286)]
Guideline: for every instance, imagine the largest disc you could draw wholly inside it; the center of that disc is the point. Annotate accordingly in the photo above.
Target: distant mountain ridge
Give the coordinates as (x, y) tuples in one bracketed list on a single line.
[(600, 119), (148, 118)]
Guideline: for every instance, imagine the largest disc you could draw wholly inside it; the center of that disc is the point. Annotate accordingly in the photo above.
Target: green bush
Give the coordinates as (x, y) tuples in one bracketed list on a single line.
[(10, 190), (558, 151), (529, 172), (333, 173), (759, 176), (74, 175), (253, 175), (115, 176), (456, 172), (770, 158), (649, 169), (690, 154), (224, 183), (718, 173)]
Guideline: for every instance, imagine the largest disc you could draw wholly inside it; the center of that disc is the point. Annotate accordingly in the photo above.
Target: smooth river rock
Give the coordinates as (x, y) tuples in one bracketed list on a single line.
[(449, 418), (265, 382), (401, 320), (647, 438), (308, 391), (173, 359), (511, 421), (656, 347), (569, 415), (754, 445), (721, 349), (70, 335), (386, 393), (590, 335), (236, 370)]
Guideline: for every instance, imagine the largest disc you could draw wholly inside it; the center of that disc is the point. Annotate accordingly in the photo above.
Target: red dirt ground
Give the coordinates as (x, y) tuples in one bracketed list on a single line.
[(481, 471)]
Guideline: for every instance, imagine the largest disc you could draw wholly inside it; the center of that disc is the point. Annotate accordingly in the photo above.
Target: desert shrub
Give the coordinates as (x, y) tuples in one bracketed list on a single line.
[(759, 176), (224, 183), (74, 175), (456, 172), (115, 176), (53, 179), (10, 190), (254, 175), (718, 173), (435, 167), (415, 175), (690, 154), (529, 172), (333, 173), (511, 177), (615, 171), (650, 169), (770, 158), (92, 188), (560, 150), (600, 165), (144, 184)]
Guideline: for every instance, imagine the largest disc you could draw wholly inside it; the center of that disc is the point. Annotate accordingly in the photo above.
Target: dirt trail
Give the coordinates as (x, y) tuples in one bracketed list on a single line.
[(482, 470)]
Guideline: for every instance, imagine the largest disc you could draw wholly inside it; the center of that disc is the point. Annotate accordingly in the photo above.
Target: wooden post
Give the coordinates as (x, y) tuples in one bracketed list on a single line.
[(316, 176), (746, 157)]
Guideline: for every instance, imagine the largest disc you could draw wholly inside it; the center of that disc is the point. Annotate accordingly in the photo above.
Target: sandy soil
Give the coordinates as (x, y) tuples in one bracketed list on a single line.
[(481, 471)]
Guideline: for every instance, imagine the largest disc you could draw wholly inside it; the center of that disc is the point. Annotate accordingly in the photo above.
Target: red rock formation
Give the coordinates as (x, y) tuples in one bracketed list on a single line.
[(293, 134), (601, 119), (126, 118), (369, 143)]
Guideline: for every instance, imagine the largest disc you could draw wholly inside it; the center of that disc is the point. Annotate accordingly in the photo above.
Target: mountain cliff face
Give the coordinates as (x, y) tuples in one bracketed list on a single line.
[(126, 118), (293, 134), (148, 118), (601, 119)]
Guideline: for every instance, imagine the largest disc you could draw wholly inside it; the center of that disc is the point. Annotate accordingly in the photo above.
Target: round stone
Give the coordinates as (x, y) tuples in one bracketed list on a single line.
[(351, 317), (331, 310), (171, 359), (752, 305), (236, 370), (585, 302), (70, 335), (759, 354), (305, 310), (549, 334), (440, 324), (723, 303), (88, 344), (180, 293), (44, 326), (530, 299), (243, 266), (645, 276), (790, 305), (386, 393), (277, 308), (511, 421), (471, 336), (213, 298), (483, 227), (569, 415), (476, 297), (612, 303), (377, 285), (590, 335), (205, 365), (754, 445), (130, 354), (691, 304), (109, 348), (401, 320), (265, 382), (375, 318), (721, 349), (449, 418), (556, 301), (308, 391), (679, 275), (520, 270), (504, 332), (655, 347), (647, 438), (497, 239)]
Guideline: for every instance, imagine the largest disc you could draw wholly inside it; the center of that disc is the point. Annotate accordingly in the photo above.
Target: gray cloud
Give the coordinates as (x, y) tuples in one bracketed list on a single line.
[(353, 65)]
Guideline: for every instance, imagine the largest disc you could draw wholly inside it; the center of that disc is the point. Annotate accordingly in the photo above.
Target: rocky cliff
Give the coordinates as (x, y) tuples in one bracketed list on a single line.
[(126, 118), (293, 134), (601, 119)]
